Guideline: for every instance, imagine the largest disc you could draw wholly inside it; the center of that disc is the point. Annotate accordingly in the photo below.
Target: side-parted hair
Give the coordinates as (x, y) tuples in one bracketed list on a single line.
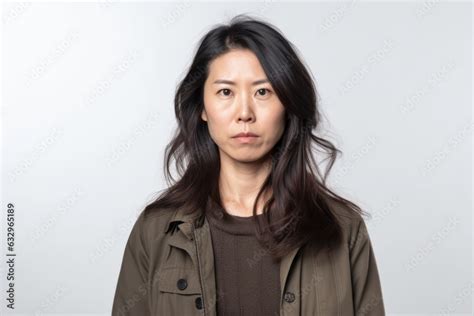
[(301, 207)]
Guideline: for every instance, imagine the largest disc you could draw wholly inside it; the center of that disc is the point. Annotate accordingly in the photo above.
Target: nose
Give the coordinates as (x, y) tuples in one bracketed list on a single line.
[(245, 113)]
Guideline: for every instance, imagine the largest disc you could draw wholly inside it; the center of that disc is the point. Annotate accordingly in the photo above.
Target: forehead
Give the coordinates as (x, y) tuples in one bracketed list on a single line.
[(238, 65)]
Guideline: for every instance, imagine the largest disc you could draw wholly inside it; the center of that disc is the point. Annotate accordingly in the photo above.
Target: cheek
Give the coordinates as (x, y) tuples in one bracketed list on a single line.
[(276, 124), (217, 122)]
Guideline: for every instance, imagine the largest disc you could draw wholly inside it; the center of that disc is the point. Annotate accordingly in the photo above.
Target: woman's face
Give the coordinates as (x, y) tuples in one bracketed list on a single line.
[(238, 98)]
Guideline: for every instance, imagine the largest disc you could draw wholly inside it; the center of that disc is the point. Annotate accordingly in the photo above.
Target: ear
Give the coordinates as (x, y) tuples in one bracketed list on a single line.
[(204, 115)]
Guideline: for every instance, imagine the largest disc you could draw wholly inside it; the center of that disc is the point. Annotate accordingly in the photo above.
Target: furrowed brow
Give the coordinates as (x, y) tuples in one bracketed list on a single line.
[(230, 82)]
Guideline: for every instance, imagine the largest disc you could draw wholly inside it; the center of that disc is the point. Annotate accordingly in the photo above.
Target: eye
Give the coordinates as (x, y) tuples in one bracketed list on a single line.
[(226, 92), (263, 92)]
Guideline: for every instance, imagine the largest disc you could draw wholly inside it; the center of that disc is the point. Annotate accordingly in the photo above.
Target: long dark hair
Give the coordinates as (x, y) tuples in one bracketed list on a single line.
[(302, 207)]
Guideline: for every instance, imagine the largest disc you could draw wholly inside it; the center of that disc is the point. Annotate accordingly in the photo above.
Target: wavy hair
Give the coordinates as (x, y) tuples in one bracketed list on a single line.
[(301, 205)]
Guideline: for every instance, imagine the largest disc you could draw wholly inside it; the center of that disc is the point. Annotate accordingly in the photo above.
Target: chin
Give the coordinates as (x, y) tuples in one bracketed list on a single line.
[(249, 158)]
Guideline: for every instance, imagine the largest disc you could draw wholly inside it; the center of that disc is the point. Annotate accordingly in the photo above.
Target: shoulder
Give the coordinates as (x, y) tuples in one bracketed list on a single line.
[(352, 223), (150, 223), (153, 214)]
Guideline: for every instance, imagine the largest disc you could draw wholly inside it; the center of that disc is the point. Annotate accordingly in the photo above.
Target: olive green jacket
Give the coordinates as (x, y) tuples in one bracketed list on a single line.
[(168, 269)]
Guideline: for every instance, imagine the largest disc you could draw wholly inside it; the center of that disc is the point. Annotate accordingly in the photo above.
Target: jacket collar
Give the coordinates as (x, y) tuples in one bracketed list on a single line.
[(183, 220)]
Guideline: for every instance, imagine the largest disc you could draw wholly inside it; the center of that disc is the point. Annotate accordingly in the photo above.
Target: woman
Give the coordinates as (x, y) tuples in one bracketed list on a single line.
[(250, 228)]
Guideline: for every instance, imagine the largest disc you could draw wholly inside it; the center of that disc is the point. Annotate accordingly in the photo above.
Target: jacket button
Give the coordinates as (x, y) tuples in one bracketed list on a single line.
[(198, 302), (182, 284), (289, 297)]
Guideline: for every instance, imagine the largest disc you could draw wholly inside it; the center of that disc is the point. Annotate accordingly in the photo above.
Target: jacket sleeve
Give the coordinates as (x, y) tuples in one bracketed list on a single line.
[(131, 293), (366, 287)]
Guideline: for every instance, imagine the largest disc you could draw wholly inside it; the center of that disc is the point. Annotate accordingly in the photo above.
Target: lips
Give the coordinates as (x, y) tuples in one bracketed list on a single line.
[(248, 134)]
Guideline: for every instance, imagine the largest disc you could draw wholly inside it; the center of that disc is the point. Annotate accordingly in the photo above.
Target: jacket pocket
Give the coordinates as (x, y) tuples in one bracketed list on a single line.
[(179, 280), (179, 292)]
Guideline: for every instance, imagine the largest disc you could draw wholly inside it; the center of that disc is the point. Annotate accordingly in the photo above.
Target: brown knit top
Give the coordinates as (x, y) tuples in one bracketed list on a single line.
[(247, 279)]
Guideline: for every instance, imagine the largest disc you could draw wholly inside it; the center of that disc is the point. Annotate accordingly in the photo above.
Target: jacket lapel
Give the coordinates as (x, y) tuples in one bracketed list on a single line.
[(196, 241), (205, 255), (290, 284)]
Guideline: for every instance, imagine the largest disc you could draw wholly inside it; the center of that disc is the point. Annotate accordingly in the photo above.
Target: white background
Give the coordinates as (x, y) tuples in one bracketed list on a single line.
[(87, 109)]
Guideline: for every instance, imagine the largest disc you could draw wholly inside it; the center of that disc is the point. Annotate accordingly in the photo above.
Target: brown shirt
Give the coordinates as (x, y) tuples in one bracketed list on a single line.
[(247, 279)]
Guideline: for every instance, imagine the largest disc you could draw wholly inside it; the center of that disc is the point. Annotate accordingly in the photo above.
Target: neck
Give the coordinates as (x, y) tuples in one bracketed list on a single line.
[(239, 184)]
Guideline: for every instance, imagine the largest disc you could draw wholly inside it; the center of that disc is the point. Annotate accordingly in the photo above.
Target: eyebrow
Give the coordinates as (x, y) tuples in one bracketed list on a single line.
[(233, 83)]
